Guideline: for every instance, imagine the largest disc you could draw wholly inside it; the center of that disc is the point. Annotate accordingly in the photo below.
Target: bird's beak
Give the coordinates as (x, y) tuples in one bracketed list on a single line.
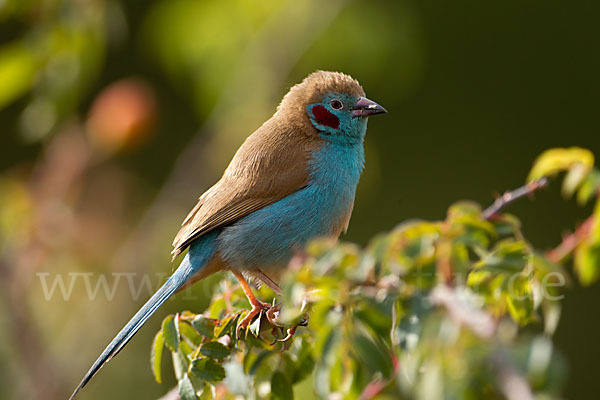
[(365, 107)]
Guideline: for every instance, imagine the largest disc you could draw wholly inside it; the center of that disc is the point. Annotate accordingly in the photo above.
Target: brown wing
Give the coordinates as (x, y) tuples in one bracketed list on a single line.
[(271, 164)]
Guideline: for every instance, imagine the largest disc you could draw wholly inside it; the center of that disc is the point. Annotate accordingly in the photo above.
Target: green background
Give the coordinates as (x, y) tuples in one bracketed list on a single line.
[(475, 91)]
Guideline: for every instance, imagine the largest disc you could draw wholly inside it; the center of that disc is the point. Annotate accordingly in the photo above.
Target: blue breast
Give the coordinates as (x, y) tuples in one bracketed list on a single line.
[(268, 237)]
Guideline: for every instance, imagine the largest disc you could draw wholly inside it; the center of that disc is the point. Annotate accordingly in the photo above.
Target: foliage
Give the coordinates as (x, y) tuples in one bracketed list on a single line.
[(56, 57), (459, 308), (95, 181)]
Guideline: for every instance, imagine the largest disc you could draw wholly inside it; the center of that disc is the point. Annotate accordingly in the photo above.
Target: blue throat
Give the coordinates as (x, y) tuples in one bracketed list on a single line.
[(268, 237)]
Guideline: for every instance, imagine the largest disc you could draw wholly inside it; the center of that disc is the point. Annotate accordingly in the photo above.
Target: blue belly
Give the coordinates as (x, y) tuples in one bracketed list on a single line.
[(268, 237)]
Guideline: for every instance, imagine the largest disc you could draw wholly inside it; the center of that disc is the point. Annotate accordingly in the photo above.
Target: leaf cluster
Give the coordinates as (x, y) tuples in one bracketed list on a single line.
[(462, 308)]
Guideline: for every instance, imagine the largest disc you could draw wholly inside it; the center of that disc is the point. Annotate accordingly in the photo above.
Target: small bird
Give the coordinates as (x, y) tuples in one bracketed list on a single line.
[(293, 179)]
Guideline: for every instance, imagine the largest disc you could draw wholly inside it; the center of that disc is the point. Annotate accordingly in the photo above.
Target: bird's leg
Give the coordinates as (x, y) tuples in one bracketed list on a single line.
[(257, 306), (272, 313)]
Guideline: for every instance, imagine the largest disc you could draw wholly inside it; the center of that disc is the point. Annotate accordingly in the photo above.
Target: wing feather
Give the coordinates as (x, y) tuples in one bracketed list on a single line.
[(271, 164)]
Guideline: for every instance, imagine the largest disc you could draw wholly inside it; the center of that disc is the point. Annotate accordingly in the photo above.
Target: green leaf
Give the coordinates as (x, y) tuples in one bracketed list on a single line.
[(226, 325), (519, 298), (180, 364), (281, 388), (327, 350), (509, 256), (373, 355), (304, 367), (186, 349), (214, 350), (207, 370), (207, 392), (587, 263), (589, 188), (186, 315), (170, 329), (17, 69), (464, 207), (156, 356), (259, 360), (557, 160), (466, 212), (542, 267), (217, 308), (574, 178), (186, 389), (375, 314), (205, 326), (587, 254), (189, 333)]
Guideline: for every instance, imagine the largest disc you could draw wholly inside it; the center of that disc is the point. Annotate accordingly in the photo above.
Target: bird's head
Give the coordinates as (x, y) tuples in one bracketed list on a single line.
[(333, 104)]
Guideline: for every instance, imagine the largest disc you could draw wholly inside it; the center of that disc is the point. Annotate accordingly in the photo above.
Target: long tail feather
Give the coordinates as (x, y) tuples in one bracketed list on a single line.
[(198, 256)]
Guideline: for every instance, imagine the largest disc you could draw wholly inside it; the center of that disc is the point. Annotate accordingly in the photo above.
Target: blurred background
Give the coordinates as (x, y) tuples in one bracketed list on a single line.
[(115, 115)]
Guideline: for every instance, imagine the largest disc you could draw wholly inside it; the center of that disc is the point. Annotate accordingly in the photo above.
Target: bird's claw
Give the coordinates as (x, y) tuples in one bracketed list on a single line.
[(257, 309), (272, 315), (271, 312), (289, 333)]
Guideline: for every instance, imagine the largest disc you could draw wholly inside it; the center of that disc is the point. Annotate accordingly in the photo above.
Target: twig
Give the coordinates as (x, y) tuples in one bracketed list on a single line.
[(570, 242), (509, 197)]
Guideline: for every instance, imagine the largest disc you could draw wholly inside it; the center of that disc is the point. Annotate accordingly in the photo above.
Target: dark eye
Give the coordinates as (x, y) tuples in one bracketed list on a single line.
[(336, 104)]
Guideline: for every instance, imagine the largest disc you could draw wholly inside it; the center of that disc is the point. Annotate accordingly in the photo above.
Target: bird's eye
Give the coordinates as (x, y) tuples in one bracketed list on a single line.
[(336, 104)]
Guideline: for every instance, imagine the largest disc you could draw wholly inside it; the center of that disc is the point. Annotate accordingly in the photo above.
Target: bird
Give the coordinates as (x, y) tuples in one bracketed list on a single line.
[(292, 180)]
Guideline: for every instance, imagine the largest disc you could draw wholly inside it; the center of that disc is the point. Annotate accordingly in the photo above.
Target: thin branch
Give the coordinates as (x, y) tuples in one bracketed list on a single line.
[(570, 242), (509, 197)]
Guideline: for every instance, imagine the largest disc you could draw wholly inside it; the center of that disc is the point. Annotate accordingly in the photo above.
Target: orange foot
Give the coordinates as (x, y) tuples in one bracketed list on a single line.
[(258, 307)]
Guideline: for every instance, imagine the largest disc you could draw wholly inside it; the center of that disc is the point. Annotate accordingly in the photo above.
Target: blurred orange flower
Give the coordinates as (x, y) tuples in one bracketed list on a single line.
[(122, 116)]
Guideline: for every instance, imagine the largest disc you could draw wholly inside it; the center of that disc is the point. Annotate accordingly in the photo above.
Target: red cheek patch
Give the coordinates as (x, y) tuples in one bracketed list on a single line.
[(324, 117)]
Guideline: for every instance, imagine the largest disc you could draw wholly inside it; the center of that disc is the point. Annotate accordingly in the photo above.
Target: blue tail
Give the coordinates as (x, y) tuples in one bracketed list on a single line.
[(201, 251)]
